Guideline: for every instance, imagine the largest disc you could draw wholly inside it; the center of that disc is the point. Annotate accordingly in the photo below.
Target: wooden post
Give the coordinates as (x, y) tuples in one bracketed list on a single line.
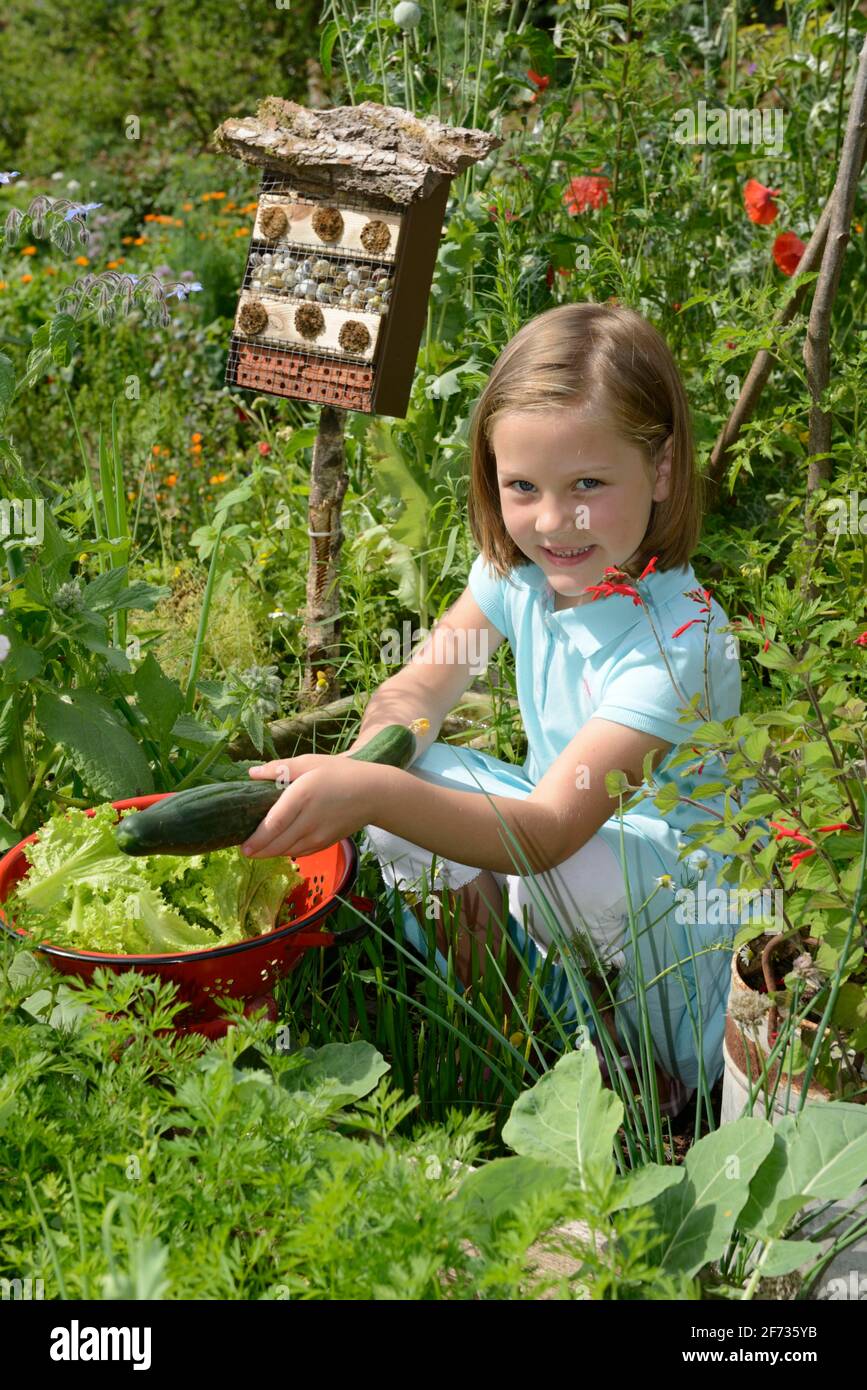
[(321, 628)]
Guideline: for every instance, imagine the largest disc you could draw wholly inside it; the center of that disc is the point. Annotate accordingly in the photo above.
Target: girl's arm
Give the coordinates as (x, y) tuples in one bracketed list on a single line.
[(564, 810), (436, 676)]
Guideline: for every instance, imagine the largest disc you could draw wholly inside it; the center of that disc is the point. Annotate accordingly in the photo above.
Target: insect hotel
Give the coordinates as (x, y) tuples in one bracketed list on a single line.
[(335, 291)]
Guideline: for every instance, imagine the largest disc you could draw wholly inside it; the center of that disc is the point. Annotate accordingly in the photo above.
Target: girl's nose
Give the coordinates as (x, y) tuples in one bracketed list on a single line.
[(552, 521)]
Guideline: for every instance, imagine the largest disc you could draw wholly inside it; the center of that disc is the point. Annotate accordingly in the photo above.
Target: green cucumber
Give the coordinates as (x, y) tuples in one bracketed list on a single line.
[(227, 813)]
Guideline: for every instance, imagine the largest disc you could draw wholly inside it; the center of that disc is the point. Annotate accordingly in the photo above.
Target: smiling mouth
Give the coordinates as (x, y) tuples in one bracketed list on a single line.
[(564, 553)]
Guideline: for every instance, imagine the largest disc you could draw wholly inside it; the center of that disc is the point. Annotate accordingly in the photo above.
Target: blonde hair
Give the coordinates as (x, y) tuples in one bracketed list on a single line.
[(602, 355)]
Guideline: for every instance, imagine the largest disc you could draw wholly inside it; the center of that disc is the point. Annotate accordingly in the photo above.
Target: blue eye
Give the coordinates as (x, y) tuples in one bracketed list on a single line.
[(518, 481)]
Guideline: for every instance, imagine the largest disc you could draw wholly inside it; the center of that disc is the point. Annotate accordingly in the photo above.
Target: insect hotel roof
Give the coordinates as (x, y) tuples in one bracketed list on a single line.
[(351, 207)]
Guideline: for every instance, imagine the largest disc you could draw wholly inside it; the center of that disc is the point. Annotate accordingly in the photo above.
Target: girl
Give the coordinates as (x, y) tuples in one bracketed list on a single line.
[(585, 506)]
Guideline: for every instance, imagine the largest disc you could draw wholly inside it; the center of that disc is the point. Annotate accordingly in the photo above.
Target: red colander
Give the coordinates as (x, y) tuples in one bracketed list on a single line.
[(247, 970)]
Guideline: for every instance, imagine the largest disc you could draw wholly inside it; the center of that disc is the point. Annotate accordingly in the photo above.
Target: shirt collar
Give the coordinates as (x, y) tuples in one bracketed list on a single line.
[(593, 625)]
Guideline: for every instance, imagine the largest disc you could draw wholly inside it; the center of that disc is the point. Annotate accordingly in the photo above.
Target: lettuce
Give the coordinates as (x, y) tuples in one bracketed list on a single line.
[(84, 893)]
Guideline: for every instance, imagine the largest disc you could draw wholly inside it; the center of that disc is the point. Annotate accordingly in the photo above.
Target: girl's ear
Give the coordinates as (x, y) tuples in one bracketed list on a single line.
[(663, 471)]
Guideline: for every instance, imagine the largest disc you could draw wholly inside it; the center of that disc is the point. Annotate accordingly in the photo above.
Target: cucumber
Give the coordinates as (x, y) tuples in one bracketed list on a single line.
[(227, 813)]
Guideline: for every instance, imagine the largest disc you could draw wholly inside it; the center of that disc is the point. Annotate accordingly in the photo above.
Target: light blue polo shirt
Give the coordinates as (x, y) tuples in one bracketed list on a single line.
[(601, 659)]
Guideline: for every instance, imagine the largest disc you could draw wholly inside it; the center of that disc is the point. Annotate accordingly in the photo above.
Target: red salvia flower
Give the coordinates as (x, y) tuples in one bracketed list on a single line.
[(603, 591), (786, 834), (759, 202), (862, 640), (802, 854), (838, 825), (648, 568), (788, 250), (586, 191), (679, 630)]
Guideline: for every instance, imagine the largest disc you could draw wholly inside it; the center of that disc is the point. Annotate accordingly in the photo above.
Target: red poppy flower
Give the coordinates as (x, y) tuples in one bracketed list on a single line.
[(587, 191), (538, 80), (788, 250), (759, 202)]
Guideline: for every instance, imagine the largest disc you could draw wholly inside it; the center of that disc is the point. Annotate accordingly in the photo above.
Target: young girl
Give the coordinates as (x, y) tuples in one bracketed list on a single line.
[(585, 505)]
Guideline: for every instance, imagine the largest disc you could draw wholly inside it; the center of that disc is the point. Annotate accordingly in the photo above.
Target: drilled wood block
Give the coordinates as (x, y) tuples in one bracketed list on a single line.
[(285, 314), (363, 233)]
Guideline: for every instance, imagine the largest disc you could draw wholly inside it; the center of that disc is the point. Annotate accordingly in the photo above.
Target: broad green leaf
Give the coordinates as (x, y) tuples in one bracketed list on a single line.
[(99, 745), (642, 1185), (820, 1154), (7, 382), (503, 1184), (783, 1256), (160, 699), (568, 1118), (23, 662), (61, 338), (190, 732), (697, 1216), (350, 1069)]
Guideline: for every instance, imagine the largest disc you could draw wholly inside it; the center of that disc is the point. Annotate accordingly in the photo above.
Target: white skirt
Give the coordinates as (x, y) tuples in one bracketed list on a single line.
[(585, 895)]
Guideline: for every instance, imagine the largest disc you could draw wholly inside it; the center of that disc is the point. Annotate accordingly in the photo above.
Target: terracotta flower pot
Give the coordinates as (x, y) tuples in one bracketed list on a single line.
[(747, 1046)]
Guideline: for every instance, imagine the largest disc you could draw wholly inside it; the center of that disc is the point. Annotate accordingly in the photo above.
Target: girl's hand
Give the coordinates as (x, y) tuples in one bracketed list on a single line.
[(326, 799)]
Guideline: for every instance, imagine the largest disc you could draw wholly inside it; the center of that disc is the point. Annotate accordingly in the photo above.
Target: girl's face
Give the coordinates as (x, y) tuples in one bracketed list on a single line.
[(567, 481)]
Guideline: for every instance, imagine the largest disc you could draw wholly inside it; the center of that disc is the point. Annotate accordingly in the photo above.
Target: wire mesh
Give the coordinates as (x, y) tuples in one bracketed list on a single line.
[(317, 286)]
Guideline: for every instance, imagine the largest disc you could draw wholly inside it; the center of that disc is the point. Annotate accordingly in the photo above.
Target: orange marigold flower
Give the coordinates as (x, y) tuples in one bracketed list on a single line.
[(196, 438), (4, 284), (149, 216), (218, 477), (165, 451), (25, 279), (171, 480), (29, 251), (155, 449), (759, 202), (186, 207), (112, 265), (139, 240), (126, 241), (196, 448), (82, 260), (50, 270)]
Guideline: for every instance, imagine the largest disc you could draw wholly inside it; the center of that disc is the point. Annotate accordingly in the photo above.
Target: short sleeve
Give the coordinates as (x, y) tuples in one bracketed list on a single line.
[(639, 691), (489, 591)]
